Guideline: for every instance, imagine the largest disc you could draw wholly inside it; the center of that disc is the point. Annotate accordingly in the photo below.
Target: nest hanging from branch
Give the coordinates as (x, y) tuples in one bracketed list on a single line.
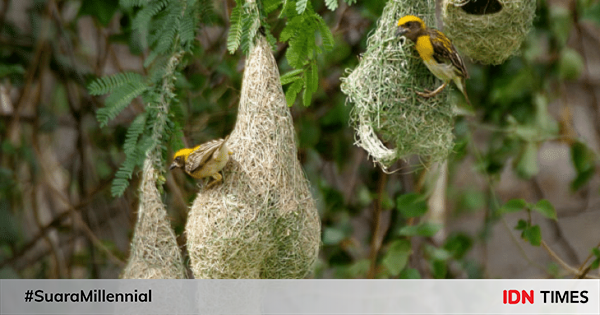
[(488, 31), (154, 250), (262, 221), (382, 89)]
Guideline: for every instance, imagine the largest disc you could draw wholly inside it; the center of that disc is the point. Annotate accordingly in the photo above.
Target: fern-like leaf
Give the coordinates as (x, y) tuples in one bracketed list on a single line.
[(107, 84), (133, 3), (331, 4), (251, 25), (325, 32), (187, 30), (271, 5), (235, 30), (292, 92), (291, 76), (313, 78), (301, 6), (118, 100), (133, 133)]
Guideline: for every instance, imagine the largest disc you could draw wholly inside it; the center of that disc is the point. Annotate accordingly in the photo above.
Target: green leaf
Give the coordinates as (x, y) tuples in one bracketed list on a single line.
[(545, 208), (458, 245), (325, 32), (292, 92), (583, 159), (426, 229), (521, 225), (333, 236), (513, 205), (11, 69), (109, 83), (533, 235), (331, 4), (359, 268), (102, 10), (527, 165), (301, 6), (291, 76), (596, 263), (118, 100), (570, 64), (271, 5), (439, 269), (396, 257), (410, 273), (235, 30), (313, 78), (307, 94), (411, 205), (592, 12)]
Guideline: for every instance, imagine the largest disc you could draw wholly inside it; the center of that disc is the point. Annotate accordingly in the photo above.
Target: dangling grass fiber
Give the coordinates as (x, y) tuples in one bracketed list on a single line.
[(261, 222), (489, 38), (154, 250), (382, 89)]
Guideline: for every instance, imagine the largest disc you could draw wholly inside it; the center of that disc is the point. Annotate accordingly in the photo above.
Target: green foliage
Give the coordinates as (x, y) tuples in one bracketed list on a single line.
[(425, 229), (331, 4), (302, 26), (584, 160), (102, 10), (513, 205), (596, 262), (245, 21), (397, 256), (545, 208), (411, 205), (169, 27), (133, 155)]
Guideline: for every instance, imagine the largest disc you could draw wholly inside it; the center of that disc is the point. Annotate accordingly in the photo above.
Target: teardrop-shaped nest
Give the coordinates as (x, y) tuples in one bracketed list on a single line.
[(488, 31), (154, 250), (382, 89), (261, 222)]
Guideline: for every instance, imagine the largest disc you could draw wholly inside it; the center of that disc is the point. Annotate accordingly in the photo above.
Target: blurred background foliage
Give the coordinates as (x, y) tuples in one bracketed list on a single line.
[(520, 198)]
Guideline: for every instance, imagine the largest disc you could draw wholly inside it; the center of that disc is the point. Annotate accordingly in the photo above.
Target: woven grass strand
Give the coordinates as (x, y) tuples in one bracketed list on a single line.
[(154, 250), (488, 38), (382, 91), (262, 221)]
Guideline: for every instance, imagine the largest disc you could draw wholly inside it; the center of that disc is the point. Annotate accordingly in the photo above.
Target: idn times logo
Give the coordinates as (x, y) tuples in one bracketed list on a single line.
[(560, 297)]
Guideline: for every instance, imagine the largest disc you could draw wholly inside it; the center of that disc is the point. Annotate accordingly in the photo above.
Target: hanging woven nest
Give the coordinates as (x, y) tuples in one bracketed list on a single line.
[(261, 222), (154, 250), (382, 89), (488, 31)]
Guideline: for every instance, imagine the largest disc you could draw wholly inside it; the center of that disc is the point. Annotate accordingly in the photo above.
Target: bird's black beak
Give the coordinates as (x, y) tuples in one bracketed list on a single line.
[(401, 31), (172, 166)]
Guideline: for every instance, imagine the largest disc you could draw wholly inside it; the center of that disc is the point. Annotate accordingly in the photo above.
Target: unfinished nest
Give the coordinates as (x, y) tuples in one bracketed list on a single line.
[(262, 221), (382, 89), (154, 250), (488, 31)]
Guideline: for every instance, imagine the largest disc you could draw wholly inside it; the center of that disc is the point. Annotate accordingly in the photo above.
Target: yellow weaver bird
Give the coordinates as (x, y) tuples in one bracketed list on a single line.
[(204, 160), (437, 53)]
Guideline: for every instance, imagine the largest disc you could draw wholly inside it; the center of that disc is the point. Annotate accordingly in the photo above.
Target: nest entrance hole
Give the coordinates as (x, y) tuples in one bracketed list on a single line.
[(482, 7)]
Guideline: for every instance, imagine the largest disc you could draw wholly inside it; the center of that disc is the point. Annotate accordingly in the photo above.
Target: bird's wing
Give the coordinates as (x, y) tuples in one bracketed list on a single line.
[(445, 52), (202, 154)]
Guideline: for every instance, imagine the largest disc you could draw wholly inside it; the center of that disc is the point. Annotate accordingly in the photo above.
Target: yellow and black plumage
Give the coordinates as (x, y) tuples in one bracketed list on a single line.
[(204, 160), (437, 53)]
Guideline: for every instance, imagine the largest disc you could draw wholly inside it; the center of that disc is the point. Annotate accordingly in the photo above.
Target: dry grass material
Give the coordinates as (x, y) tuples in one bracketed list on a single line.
[(154, 250), (488, 31), (382, 90), (262, 221)]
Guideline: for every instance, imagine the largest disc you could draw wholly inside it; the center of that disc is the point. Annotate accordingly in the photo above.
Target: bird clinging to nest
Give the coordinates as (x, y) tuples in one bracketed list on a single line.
[(204, 160), (437, 52)]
